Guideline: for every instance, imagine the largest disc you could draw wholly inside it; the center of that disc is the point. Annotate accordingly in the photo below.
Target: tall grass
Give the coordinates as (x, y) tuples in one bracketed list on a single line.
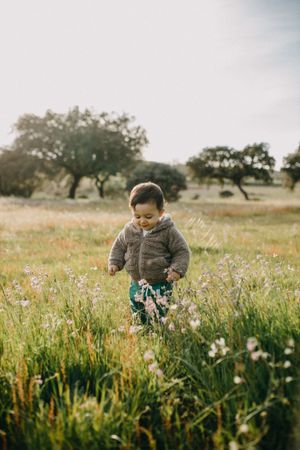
[(221, 372)]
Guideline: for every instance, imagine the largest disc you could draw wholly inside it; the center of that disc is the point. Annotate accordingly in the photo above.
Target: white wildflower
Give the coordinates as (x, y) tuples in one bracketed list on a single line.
[(244, 428), (27, 270), (233, 445), (288, 351), (224, 350), (134, 329), (251, 344), (159, 373), (35, 282), (23, 303), (152, 367), (17, 286), (115, 437), (195, 323), (221, 345), (214, 347), (38, 379), (255, 356), (149, 355), (213, 350), (162, 300), (238, 380), (171, 326), (81, 282), (139, 298), (220, 342), (288, 379), (287, 364), (150, 306)]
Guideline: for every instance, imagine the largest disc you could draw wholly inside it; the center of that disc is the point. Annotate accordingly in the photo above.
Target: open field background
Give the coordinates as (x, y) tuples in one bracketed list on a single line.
[(76, 372)]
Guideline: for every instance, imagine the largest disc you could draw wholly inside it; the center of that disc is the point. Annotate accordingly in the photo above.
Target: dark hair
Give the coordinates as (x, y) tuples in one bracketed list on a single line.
[(146, 192)]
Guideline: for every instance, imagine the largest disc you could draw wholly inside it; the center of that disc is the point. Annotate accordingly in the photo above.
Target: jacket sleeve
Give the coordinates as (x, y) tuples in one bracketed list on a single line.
[(117, 253), (180, 252)]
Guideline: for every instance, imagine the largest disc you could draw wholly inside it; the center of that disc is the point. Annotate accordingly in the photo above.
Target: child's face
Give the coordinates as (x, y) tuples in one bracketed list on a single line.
[(146, 215)]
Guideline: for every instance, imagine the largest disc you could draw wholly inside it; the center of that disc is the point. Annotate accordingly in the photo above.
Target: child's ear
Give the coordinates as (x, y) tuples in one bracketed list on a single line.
[(161, 212)]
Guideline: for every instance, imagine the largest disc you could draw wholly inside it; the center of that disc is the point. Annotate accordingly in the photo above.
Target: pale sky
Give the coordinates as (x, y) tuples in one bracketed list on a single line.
[(194, 73)]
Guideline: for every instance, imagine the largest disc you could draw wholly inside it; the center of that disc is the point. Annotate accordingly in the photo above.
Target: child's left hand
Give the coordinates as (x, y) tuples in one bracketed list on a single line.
[(173, 276)]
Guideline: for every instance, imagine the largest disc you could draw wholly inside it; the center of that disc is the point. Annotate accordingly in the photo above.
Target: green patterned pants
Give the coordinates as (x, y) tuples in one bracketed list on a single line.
[(150, 301)]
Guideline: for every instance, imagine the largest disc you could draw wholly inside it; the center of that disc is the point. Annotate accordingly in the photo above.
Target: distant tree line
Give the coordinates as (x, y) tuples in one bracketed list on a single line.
[(98, 146)]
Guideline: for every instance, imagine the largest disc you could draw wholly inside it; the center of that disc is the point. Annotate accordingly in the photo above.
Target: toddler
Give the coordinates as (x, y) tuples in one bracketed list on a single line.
[(153, 252)]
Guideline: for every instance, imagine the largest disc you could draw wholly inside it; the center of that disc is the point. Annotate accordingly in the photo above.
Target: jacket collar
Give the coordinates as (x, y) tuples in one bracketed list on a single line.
[(164, 222)]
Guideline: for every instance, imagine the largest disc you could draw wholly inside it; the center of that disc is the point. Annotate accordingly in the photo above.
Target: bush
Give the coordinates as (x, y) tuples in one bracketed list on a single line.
[(167, 177), (18, 174), (115, 187), (226, 194)]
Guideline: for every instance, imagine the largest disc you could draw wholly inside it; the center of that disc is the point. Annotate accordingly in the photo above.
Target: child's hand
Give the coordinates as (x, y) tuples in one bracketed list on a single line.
[(173, 276), (112, 270)]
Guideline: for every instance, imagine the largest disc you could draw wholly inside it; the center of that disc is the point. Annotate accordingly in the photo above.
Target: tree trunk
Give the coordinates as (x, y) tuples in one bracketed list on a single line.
[(100, 185), (242, 190), (74, 186)]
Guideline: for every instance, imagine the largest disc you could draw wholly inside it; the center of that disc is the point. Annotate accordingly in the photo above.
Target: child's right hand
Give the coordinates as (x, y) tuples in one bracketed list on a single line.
[(112, 270)]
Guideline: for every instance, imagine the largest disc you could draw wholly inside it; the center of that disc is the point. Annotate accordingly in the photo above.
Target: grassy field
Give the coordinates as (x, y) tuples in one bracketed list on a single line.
[(221, 373)]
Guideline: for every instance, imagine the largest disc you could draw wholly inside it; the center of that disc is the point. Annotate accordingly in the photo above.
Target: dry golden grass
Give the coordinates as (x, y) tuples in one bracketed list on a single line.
[(24, 216)]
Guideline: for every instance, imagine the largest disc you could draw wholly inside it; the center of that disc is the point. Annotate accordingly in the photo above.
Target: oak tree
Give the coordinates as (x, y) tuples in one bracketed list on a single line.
[(225, 163), (83, 144), (291, 169)]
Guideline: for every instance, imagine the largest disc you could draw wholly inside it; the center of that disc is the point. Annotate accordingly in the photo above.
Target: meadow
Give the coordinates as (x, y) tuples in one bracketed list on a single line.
[(222, 372)]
